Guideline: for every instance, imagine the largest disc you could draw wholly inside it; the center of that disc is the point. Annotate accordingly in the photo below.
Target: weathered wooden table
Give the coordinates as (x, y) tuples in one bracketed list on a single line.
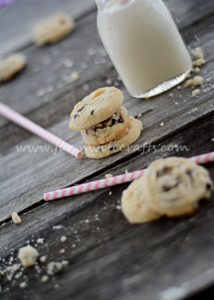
[(108, 258)]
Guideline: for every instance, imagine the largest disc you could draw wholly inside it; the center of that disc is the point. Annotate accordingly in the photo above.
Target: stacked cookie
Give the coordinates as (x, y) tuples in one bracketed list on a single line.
[(104, 123), (172, 187)]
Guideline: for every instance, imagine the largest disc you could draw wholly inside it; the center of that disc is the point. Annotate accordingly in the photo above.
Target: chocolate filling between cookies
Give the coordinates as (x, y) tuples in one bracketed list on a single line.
[(116, 118)]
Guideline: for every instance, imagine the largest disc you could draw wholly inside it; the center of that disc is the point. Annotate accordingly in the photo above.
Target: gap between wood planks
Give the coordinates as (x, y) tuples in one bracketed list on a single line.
[(116, 238), (116, 163), (177, 8), (25, 39), (68, 91), (48, 106), (184, 136), (181, 116), (22, 106)]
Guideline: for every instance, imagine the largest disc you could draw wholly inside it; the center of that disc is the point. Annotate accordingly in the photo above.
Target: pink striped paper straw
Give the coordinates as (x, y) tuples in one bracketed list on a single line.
[(111, 181), (39, 131)]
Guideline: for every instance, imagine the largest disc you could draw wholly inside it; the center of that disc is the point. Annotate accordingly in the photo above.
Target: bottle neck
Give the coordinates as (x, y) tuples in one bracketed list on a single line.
[(103, 3)]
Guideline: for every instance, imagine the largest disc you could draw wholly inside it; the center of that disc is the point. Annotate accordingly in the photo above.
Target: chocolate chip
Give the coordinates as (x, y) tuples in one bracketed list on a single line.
[(80, 109), (164, 171), (113, 122), (75, 116), (120, 120), (113, 148), (167, 188), (208, 186), (189, 173), (92, 112)]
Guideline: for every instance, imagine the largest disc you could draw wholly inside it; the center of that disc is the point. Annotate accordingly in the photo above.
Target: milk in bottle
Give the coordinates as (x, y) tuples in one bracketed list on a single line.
[(144, 45)]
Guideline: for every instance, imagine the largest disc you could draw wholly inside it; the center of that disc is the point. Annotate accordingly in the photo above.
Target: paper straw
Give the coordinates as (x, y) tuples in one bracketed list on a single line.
[(112, 181), (39, 131)]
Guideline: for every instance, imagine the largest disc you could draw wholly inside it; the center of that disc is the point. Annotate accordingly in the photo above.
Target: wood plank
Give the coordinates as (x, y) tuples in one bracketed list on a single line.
[(23, 93), (24, 187), (17, 21), (112, 259), (16, 34), (46, 77), (187, 13)]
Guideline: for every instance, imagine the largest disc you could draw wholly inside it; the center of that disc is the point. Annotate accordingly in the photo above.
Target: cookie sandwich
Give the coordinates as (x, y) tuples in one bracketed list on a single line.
[(171, 187), (105, 125)]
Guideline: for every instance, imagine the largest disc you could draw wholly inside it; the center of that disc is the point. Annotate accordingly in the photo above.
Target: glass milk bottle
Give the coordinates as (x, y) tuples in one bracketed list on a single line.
[(144, 45)]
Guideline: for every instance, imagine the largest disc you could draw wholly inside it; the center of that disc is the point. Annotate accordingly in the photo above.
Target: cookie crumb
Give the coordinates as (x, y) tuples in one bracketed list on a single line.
[(56, 267), (196, 92), (62, 251), (68, 63), (108, 175), (28, 256), (40, 241), (199, 62), (74, 76), (57, 227), (86, 87), (63, 239), (41, 93), (195, 109), (109, 81), (198, 53), (139, 115), (65, 263), (188, 83), (197, 81), (162, 124), (44, 278), (196, 70), (43, 259), (16, 218), (23, 285)]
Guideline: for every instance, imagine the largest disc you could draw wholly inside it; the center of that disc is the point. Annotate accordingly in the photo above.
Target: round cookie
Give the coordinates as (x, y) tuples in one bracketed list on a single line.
[(53, 29), (134, 206), (96, 107), (129, 138), (11, 66), (109, 130), (174, 186)]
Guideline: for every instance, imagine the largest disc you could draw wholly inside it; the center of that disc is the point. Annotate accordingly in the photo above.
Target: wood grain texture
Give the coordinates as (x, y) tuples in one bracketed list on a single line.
[(17, 21), (22, 93), (38, 172), (112, 259)]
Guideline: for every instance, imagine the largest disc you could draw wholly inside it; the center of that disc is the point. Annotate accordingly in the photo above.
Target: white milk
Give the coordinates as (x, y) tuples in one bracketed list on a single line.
[(144, 45)]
